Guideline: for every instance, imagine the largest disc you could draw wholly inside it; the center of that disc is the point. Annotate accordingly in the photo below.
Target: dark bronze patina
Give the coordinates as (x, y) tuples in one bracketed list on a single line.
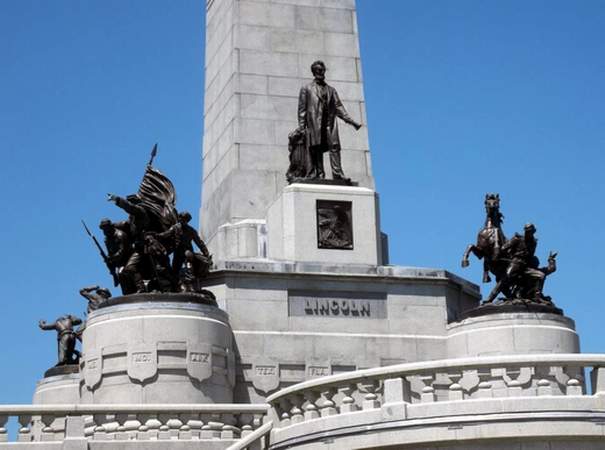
[(334, 225), (318, 107), (513, 262), (66, 338), (95, 295), (151, 251)]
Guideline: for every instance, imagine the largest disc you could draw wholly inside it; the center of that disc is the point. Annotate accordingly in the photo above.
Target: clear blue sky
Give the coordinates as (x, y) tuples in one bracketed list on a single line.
[(463, 98)]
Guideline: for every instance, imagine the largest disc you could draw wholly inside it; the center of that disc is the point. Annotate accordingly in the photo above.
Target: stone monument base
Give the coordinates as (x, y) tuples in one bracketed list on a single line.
[(298, 321), (60, 385), (325, 223), (511, 333), (157, 348)]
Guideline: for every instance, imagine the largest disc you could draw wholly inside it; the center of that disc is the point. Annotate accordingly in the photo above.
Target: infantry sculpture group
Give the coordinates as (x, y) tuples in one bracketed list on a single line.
[(152, 251)]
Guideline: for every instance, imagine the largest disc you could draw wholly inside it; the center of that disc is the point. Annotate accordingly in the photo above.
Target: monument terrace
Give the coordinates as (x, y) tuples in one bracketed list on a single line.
[(281, 324)]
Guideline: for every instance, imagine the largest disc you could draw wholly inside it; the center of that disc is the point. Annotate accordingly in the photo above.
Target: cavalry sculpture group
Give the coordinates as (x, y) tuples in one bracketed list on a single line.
[(512, 262)]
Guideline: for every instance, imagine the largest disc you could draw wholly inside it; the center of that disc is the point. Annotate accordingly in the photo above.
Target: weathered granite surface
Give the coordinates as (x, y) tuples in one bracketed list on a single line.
[(296, 321), (258, 55)]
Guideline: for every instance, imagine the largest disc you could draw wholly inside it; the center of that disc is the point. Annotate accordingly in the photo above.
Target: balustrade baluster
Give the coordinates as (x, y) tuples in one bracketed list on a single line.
[(427, 394), (212, 427), (121, 434), (575, 384), (455, 389), (131, 426), (143, 430), (370, 399), (153, 425), (164, 429), (348, 402), (296, 413), (328, 407), (229, 432), (574, 387), (175, 424), (285, 406), (47, 433), (99, 432), (245, 423), (195, 425), (311, 407), (24, 434), (544, 387), (455, 392)]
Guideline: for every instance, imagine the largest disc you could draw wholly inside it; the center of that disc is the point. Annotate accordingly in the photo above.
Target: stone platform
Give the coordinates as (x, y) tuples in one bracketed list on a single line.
[(325, 223), (298, 321), (157, 348)]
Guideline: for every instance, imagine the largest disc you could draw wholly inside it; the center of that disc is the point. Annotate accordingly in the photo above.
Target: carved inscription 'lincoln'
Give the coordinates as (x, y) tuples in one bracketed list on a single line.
[(344, 308)]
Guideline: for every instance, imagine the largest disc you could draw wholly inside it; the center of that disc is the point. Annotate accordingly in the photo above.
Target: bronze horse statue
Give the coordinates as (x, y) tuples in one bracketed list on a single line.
[(489, 243)]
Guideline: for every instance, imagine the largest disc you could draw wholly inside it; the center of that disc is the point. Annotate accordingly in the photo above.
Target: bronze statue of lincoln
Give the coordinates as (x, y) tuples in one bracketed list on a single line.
[(318, 108)]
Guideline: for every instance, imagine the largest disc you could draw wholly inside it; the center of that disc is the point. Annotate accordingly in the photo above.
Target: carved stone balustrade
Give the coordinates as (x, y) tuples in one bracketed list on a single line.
[(221, 423), (479, 389)]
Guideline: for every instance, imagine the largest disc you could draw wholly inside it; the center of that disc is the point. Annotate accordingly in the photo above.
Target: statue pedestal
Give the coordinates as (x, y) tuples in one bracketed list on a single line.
[(325, 223), (157, 348), (510, 333), (60, 385)]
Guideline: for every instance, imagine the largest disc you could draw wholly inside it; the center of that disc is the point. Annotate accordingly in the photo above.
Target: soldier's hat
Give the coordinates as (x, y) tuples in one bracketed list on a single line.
[(104, 292), (104, 223), (529, 227)]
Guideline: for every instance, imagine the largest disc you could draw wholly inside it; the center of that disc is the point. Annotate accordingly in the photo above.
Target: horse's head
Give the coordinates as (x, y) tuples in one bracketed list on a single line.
[(492, 208)]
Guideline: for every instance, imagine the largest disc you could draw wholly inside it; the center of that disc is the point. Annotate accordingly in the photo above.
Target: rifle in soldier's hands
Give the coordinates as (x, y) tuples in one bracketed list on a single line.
[(112, 269)]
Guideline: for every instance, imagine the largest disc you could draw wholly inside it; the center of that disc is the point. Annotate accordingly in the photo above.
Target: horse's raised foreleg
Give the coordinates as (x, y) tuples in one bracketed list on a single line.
[(470, 249)]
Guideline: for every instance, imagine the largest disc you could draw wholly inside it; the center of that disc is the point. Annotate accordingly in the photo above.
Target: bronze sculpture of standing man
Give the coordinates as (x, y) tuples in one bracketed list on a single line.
[(318, 107)]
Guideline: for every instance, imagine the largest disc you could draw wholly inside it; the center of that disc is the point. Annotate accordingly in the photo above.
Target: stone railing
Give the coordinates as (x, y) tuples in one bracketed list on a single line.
[(46, 423), (435, 389)]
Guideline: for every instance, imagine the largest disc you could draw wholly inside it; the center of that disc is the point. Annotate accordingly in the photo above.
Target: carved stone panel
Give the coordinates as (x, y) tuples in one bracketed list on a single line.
[(199, 361), (334, 225), (265, 375), (93, 369), (317, 369), (334, 304), (142, 362)]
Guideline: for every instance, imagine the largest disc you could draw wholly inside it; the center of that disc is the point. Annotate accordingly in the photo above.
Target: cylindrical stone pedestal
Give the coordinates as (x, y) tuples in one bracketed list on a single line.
[(511, 333), (514, 333), (60, 385), (157, 348)]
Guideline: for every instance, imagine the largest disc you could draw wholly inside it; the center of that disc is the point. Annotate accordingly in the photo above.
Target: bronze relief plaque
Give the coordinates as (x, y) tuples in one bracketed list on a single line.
[(334, 225)]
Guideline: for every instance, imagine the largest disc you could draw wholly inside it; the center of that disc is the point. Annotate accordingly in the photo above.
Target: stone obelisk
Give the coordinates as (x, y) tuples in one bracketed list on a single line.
[(258, 55)]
